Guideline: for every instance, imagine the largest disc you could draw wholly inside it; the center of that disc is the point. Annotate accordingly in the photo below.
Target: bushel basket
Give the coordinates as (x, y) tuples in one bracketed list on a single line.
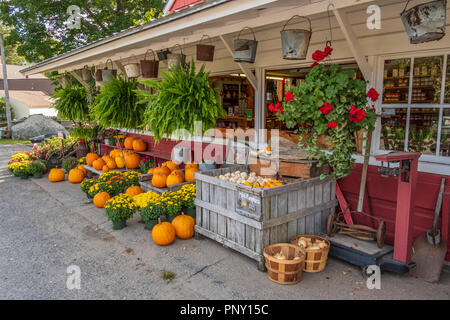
[(149, 68), (205, 52), (316, 259), (284, 271)]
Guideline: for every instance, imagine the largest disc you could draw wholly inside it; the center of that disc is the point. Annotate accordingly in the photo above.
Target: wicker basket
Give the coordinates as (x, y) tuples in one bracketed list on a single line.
[(316, 260), (284, 271)]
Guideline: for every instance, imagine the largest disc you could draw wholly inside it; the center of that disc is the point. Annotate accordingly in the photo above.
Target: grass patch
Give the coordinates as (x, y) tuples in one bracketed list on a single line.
[(12, 141), (168, 275)]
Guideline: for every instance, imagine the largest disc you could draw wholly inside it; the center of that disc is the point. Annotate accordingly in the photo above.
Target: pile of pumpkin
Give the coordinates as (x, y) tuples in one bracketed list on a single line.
[(115, 160), (169, 173)]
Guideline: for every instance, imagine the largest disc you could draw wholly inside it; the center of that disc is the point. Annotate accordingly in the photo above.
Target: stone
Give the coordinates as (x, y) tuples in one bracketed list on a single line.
[(36, 125)]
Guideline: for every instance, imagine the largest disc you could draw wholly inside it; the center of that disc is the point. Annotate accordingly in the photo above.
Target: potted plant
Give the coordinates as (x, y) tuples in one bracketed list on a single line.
[(331, 104), (69, 164), (184, 97), (171, 202), (37, 168), (150, 214), (119, 209), (86, 185), (187, 194), (21, 169), (116, 105)]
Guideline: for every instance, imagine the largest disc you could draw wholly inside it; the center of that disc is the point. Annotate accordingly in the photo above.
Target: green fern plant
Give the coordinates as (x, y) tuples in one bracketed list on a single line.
[(116, 105), (184, 97), (71, 103)]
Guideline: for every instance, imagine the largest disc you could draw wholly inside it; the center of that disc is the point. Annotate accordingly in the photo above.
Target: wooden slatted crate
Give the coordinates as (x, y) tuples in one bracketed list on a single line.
[(248, 219)]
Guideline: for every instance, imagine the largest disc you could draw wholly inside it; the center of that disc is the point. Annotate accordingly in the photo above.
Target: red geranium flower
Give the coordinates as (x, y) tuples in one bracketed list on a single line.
[(326, 108), (356, 115), (271, 108), (373, 94), (332, 124), (289, 96)]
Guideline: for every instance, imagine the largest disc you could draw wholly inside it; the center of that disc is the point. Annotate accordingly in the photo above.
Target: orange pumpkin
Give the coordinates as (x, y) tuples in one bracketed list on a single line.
[(120, 162), (139, 145), (98, 164), (163, 233), (90, 158), (191, 165), (106, 158), (76, 176), (184, 226), (100, 199), (105, 168), (171, 165), (82, 168), (164, 170), (132, 160), (115, 153), (159, 179), (128, 143), (56, 175), (134, 191), (150, 171), (189, 174), (179, 172), (174, 178), (111, 164)]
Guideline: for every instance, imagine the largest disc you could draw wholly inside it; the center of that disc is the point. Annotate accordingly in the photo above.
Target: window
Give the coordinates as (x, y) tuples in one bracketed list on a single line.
[(416, 105)]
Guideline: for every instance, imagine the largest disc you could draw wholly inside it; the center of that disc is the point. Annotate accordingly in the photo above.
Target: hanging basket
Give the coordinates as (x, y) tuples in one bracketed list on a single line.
[(107, 74), (162, 54), (64, 81), (245, 49), (175, 60), (149, 68), (132, 70), (98, 75), (86, 73), (425, 22), (295, 42), (205, 52)]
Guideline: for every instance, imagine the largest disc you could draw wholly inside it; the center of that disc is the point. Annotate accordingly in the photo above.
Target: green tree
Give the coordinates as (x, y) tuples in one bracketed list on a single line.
[(40, 30), (11, 56)]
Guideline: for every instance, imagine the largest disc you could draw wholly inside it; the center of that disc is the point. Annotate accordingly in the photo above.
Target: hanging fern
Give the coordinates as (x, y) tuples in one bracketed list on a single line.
[(71, 103), (183, 98), (116, 105)]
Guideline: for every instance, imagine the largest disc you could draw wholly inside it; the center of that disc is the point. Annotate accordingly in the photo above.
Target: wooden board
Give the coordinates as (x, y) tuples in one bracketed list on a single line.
[(368, 247)]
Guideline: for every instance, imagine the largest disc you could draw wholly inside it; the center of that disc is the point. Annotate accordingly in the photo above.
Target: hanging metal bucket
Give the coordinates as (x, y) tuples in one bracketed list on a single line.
[(295, 42), (107, 74), (133, 70), (245, 49), (162, 54), (98, 75), (86, 73), (205, 52), (149, 68), (175, 60), (425, 22)]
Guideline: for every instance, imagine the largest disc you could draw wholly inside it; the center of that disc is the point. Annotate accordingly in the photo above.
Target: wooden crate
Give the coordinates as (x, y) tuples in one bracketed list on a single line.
[(146, 184), (248, 219)]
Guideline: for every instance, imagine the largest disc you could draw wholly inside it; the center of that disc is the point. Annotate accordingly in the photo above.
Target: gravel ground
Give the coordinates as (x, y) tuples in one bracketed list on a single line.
[(45, 228)]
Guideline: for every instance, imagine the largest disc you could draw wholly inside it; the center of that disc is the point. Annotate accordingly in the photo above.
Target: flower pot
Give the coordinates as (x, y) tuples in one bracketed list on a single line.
[(295, 42), (37, 175), (168, 218), (245, 49), (23, 176), (191, 212), (425, 22), (150, 224), (119, 224)]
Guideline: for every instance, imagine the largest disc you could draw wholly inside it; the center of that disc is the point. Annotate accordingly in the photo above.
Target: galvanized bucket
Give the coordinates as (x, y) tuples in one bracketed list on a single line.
[(162, 54), (175, 60), (86, 73), (245, 49), (425, 22), (205, 52), (295, 42), (133, 70), (149, 68), (107, 74)]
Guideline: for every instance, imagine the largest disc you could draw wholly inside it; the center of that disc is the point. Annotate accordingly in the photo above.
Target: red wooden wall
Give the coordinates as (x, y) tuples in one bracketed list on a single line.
[(382, 196), (182, 4)]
